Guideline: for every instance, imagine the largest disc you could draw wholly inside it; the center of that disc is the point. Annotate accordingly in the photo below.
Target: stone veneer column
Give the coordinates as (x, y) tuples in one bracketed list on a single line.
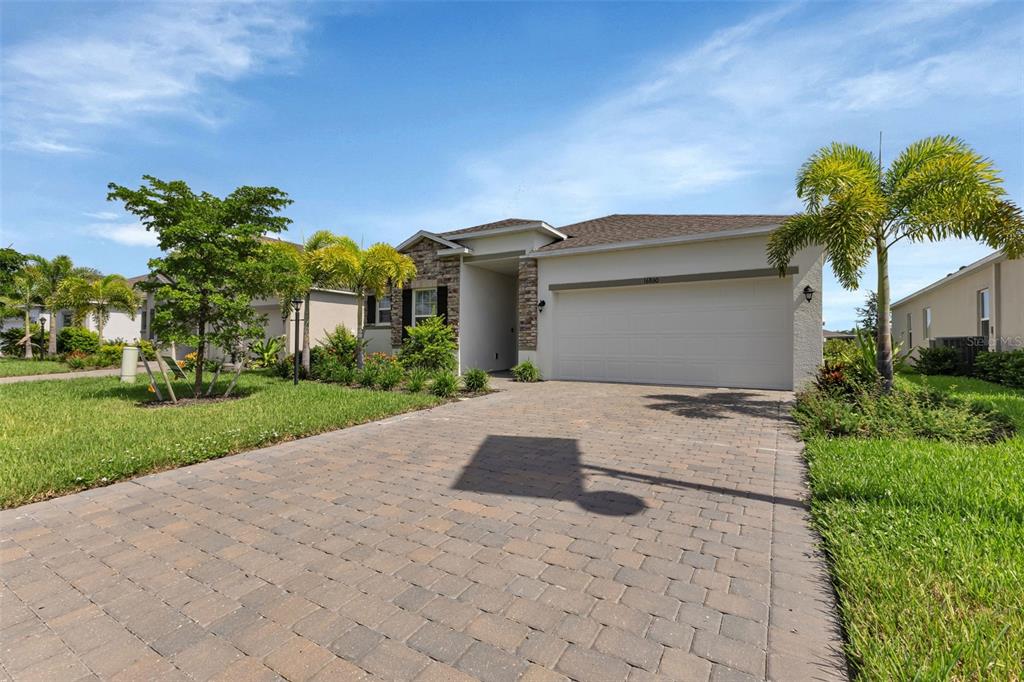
[(527, 304)]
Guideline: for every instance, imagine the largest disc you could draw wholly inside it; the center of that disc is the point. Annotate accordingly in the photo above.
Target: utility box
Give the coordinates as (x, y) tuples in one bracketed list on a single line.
[(129, 364)]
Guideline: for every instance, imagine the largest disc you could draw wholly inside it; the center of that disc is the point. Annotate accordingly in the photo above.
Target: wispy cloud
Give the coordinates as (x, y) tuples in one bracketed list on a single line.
[(113, 227), (731, 110), (136, 62)]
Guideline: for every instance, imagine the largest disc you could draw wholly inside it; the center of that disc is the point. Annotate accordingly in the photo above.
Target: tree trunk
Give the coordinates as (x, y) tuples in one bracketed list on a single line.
[(883, 355), (305, 338), (197, 388), (99, 325), (53, 332), (28, 332), (360, 328)]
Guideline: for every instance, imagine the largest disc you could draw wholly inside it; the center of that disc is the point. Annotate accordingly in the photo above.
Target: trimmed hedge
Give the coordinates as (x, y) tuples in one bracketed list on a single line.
[(1001, 367)]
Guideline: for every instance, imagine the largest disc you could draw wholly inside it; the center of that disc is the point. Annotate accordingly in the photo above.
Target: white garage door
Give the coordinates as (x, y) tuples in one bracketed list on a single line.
[(736, 333)]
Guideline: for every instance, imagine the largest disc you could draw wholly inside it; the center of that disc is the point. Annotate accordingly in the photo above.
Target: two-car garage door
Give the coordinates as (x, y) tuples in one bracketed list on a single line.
[(736, 333)]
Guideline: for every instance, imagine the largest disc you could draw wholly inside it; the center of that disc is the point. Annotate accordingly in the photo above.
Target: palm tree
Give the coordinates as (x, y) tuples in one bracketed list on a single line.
[(99, 297), (25, 292), (52, 274), (364, 271), (938, 187), (306, 272)]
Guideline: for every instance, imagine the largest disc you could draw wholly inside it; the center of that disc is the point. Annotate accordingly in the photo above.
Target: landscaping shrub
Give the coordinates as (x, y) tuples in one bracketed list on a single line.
[(10, 340), (906, 412), (476, 380), (431, 345), (416, 380), (325, 365), (445, 384), (938, 360), (286, 366), (80, 339), (838, 350), (1001, 367), (368, 376), (342, 344), (390, 376), (78, 360), (108, 355), (526, 371), (265, 352)]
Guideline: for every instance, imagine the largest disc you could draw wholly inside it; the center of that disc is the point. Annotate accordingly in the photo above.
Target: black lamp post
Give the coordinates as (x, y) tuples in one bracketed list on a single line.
[(42, 332), (297, 304)]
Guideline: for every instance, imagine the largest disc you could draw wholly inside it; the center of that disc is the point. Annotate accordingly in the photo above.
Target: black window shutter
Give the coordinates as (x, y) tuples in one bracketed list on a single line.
[(371, 310), (406, 311), (442, 303)]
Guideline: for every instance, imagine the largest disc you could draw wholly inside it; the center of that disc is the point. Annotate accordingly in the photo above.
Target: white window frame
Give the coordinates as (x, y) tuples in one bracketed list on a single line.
[(381, 308), (926, 319), (984, 311), (415, 292)]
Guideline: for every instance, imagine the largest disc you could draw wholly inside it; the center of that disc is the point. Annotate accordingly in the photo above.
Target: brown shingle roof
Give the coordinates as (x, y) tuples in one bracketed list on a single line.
[(618, 228), (508, 222)]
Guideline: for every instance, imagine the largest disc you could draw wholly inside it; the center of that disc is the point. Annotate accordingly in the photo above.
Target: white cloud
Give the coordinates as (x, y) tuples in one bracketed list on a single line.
[(733, 109), (126, 234), (104, 215), (135, 62)]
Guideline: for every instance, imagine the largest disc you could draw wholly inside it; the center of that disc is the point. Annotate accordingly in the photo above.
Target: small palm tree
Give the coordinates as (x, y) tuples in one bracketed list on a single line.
[(25, 292), (365, 271), (936, 188), (99, 297), (52, 274)]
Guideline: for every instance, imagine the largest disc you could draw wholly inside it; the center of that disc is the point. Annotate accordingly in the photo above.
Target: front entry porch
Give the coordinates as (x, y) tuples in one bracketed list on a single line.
[(488, 313)]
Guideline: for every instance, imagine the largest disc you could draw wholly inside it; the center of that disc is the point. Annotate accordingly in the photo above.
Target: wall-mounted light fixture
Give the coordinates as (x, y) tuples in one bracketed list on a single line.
[(540, 304), (808, 292)]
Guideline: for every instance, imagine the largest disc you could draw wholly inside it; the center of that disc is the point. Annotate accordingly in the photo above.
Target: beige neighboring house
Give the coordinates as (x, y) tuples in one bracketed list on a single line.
[(328, 309), (983, 299), (658, 299)]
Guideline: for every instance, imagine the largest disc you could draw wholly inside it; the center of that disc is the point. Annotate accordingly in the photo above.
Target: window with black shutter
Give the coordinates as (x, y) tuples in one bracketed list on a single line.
[(406, 311), (371, 310)]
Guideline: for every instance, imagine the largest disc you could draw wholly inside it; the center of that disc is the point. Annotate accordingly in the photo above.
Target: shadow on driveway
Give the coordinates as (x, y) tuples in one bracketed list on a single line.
[(551, 468), (718, 405)]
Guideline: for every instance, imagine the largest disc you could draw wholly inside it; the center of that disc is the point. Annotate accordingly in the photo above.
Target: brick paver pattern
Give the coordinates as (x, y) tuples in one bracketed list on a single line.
[(545, 532)]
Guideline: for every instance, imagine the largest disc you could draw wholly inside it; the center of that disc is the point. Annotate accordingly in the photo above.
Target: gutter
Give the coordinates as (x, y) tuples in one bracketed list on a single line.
[(646, 243)]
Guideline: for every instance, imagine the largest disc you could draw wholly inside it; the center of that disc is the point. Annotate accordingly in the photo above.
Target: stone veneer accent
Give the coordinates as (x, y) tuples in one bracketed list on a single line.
[(527, 304), (443, 271)]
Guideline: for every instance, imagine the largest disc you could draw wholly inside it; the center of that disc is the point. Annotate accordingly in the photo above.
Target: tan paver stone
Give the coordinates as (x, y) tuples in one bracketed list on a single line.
[(545, 532)]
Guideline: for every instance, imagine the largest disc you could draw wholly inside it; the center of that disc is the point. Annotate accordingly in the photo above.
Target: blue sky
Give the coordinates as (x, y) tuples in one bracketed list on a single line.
[(382, 119)]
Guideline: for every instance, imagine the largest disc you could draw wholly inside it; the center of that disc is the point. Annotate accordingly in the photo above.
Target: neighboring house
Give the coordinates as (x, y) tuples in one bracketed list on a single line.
[(846, 336), (983, 299), (662, 299)]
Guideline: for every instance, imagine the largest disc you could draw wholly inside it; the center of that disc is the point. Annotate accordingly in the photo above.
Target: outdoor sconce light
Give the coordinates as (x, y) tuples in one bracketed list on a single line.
[(297, 304), (540, 305), (808, 292)]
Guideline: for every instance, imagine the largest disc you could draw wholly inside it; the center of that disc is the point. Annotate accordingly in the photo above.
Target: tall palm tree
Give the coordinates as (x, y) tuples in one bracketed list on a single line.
[(365, 271), (307, 272), (25, 292), (99, 297), (937, 187), (53, 273)]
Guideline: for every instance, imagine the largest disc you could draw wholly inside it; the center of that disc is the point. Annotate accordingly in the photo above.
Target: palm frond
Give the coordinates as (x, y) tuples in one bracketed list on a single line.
[(835, 170)]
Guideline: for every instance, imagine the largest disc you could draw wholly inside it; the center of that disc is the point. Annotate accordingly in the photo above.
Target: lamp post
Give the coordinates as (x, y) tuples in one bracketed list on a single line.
[(42, 331), (297, 304)]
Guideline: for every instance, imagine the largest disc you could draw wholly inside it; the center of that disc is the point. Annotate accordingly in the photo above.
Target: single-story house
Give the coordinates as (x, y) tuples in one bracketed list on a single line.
[(664, 299), (844, 336), (983, 299)]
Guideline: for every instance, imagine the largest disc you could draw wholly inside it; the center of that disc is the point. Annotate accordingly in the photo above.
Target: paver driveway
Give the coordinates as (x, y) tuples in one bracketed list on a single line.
[(550, 531)]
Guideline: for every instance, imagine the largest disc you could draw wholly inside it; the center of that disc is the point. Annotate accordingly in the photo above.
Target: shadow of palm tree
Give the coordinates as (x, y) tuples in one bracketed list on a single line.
[(718, 405)]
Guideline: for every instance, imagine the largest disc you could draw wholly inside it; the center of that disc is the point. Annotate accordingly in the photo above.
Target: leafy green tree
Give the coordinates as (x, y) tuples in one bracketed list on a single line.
[(214, 263), (24, 291), (10, 262), (305, 272), (937, 187), (867, 315), (97, 297), (53, 273), (364, 271)]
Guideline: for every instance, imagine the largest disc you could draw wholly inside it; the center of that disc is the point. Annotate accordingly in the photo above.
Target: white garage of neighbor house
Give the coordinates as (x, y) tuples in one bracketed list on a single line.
[(669, 299)]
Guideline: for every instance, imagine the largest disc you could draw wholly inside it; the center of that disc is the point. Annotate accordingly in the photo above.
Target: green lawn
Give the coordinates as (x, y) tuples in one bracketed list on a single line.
[(14, 367), (927, 547), (61, 436)]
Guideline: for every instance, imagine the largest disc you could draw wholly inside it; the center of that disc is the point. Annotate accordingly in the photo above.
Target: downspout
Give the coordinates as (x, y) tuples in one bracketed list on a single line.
[(997, 304)]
